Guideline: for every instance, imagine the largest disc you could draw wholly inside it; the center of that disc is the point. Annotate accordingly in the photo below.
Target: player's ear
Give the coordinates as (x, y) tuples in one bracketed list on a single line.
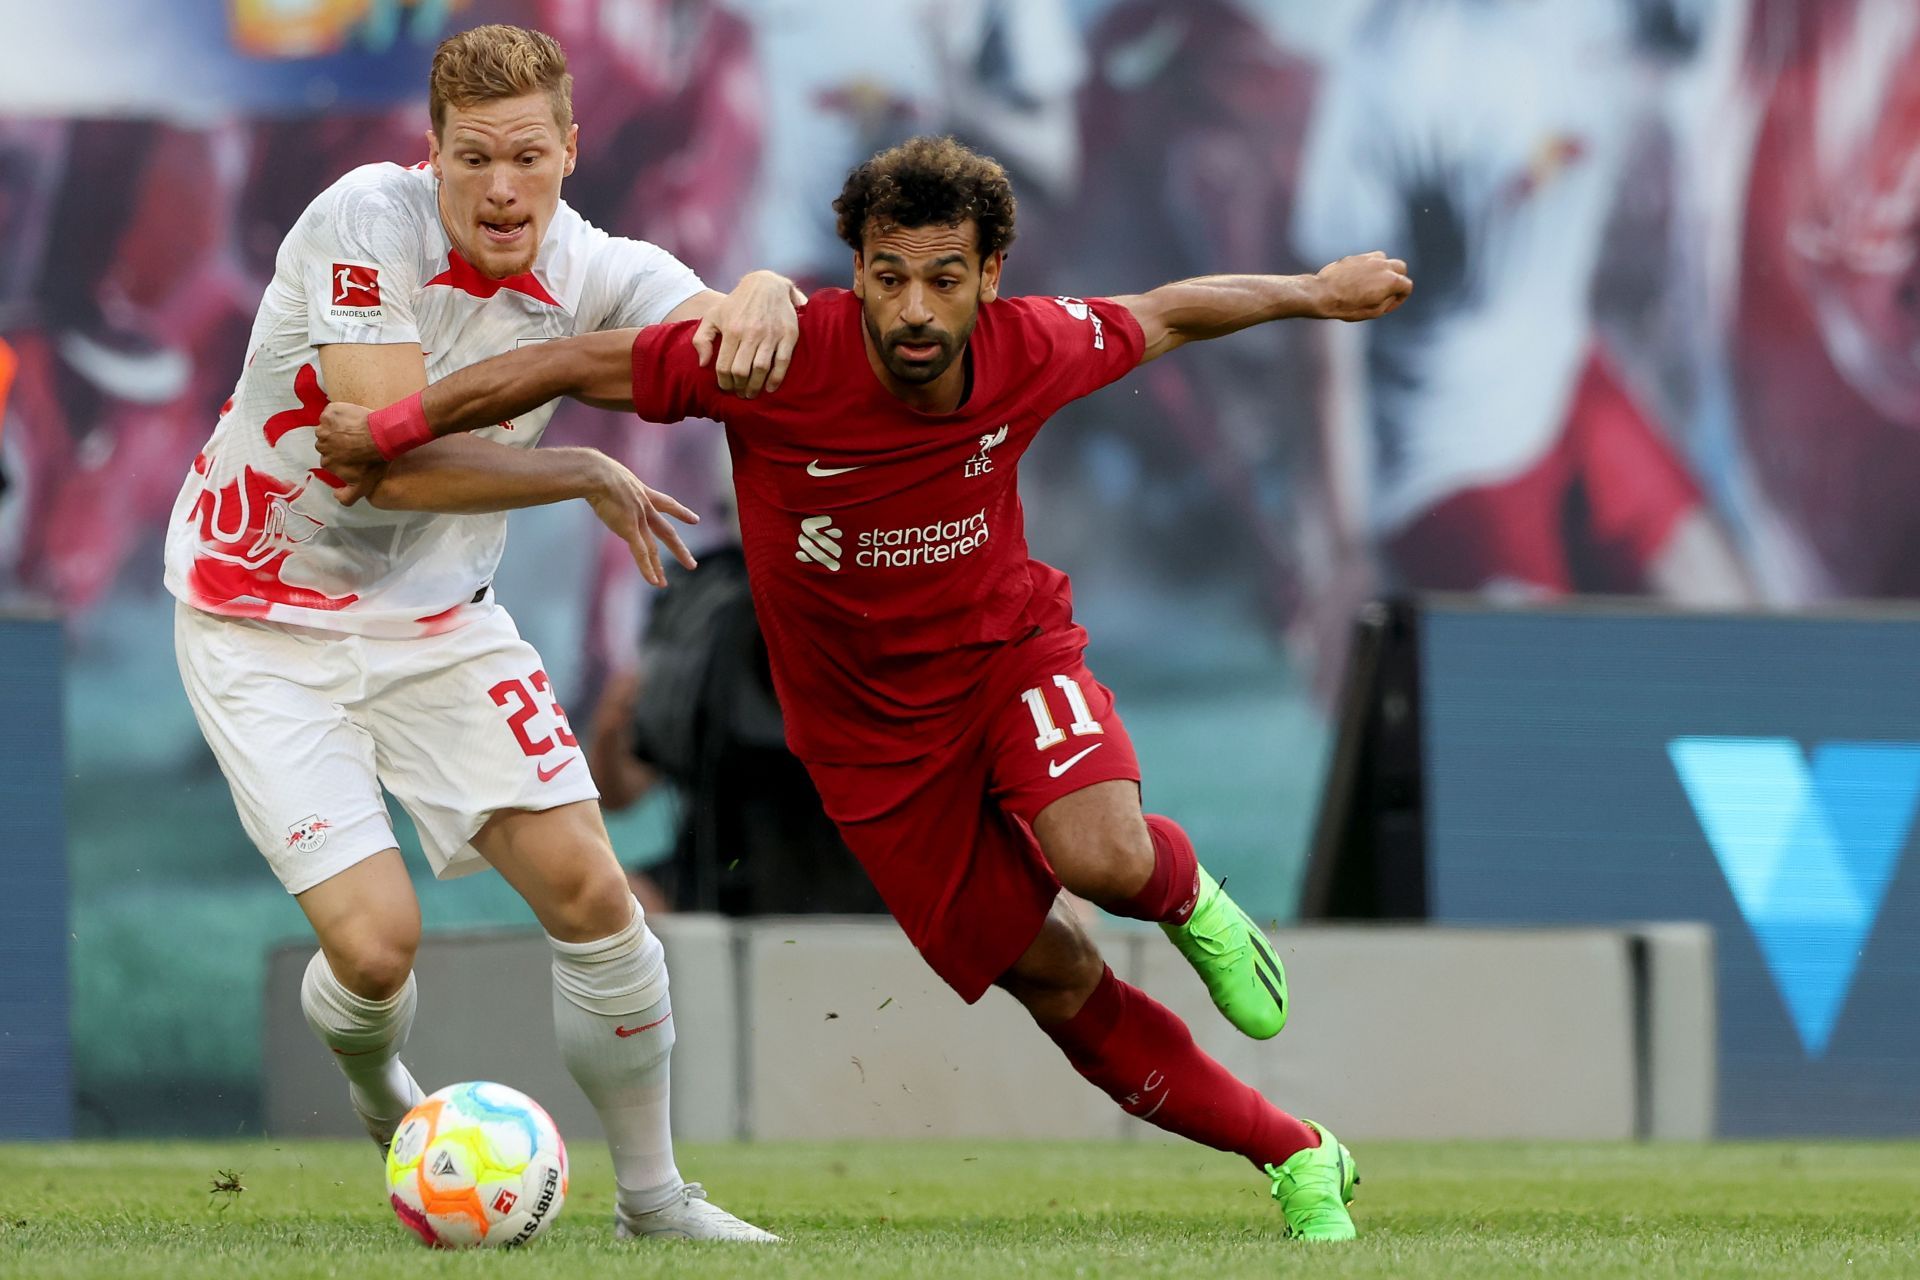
[(859, 275), (990, 276), (573, 149), (433, 150)]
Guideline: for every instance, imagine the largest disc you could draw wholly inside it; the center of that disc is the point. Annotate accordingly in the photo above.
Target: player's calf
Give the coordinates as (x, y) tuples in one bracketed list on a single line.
[(1143, 1057), (366, 1037), (611, 1013), (615, 1025), (1060, 970), (357, 992)]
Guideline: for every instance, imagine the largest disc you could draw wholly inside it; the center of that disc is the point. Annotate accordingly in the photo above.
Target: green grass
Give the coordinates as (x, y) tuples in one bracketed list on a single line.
[(998, 1209)]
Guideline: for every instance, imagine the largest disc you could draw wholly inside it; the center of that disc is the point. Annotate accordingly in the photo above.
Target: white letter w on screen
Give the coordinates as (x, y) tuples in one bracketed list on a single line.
[(1808, 850)]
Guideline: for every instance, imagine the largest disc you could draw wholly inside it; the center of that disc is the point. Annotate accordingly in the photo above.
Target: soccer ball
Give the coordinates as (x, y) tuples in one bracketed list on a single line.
[(477, 1166)]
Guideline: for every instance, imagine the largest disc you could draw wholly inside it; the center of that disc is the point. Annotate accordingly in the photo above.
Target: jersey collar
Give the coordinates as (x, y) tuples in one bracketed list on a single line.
[(464, 276)]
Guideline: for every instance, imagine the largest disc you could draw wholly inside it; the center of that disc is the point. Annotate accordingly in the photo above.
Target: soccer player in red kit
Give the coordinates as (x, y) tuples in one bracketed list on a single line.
[(930, 670)]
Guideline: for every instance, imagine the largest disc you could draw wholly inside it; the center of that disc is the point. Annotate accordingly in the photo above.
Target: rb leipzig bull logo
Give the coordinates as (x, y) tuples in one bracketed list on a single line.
[(308, 834)]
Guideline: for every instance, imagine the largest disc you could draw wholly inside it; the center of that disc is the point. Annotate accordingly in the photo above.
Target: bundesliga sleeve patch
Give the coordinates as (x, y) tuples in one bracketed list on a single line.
[(356, 291)]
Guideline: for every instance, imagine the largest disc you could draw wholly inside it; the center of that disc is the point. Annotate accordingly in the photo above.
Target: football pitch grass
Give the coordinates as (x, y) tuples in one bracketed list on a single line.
[(1001, 1209)]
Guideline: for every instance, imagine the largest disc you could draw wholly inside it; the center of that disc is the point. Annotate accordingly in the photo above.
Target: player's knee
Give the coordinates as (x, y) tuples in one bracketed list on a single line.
[(1059, 970), (1111, 862), (1098, 842), (594, 901), (607, 905), (374, 966), (1128, 858)]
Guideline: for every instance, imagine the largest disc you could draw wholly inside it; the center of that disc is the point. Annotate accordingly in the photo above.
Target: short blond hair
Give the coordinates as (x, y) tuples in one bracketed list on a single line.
[(497, 61)]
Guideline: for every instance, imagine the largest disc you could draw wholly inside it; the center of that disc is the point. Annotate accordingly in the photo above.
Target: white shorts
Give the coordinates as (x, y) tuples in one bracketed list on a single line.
[(307, 725)]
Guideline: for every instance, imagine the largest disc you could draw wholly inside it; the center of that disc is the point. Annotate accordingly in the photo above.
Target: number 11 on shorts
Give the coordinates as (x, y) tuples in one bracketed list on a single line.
[(1046, 732)]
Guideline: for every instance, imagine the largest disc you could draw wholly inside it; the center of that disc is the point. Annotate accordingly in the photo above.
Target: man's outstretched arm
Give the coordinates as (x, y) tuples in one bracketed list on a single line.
[(595, 367), (462, 475), (1357, 288), (481, 476)]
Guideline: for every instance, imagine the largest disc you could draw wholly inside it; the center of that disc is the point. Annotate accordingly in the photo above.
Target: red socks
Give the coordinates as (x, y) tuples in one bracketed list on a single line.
[(1169, 893), (1133, 1048), (1144, 1058)]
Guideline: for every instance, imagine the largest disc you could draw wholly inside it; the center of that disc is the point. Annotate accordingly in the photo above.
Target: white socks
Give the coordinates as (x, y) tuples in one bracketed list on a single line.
[(615, 1026), (366, 1037)]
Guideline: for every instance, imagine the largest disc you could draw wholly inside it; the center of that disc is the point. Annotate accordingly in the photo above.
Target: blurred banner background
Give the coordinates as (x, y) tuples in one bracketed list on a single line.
[(1665, 341)]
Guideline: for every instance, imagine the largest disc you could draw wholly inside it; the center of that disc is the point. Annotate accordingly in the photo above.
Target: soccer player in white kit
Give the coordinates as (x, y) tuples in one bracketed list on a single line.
[(330, 649), (1509, 454)]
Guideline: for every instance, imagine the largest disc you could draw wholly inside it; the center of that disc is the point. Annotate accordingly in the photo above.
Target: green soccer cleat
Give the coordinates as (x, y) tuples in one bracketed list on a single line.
[(1234, 959), (1314, 1188)]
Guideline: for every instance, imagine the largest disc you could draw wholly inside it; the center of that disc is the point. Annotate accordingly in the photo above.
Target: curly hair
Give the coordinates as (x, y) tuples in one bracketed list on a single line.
[(928, 182)]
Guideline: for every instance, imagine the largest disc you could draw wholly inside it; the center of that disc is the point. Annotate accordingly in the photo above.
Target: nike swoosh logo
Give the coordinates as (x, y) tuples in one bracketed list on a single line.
[(1057, 767), (548, 775), (624, 1032), (815, 469)]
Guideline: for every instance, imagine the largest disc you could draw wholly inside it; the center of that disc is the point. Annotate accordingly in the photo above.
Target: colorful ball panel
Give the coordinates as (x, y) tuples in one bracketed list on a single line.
[(477, 1164)]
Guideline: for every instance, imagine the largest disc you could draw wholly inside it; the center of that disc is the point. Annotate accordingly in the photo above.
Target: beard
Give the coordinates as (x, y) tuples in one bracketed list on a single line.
[(918, 371)]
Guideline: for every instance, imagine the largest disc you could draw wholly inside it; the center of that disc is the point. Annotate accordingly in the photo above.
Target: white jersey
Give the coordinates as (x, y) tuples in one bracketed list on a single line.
[(256, 531), (1484, 141)]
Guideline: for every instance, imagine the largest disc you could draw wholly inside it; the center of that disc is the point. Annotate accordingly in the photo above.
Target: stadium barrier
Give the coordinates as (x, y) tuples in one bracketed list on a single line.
[(36, 1055), (811, 1029)]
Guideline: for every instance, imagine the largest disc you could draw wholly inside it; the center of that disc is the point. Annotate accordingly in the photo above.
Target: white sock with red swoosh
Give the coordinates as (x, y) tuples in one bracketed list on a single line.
[(366, 1037), (615, 1025)]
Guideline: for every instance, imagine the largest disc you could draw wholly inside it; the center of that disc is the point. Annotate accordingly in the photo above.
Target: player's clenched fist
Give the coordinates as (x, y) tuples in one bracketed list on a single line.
[(638, 515), (347, 449), (1362, 287)]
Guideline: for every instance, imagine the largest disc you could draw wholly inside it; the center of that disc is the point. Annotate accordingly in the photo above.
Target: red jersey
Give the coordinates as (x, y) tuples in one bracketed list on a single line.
[(886, 547)]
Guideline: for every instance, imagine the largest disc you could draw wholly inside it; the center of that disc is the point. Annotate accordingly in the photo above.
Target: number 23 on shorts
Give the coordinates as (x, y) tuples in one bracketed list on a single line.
[(516, 691)]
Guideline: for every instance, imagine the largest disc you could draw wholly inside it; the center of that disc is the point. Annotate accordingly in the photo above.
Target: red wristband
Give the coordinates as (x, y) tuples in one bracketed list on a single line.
[(399, 427)]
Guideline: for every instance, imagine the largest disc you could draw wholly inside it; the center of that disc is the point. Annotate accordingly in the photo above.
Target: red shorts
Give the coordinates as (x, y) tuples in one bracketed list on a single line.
[(947, 837), (1589, 516)]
